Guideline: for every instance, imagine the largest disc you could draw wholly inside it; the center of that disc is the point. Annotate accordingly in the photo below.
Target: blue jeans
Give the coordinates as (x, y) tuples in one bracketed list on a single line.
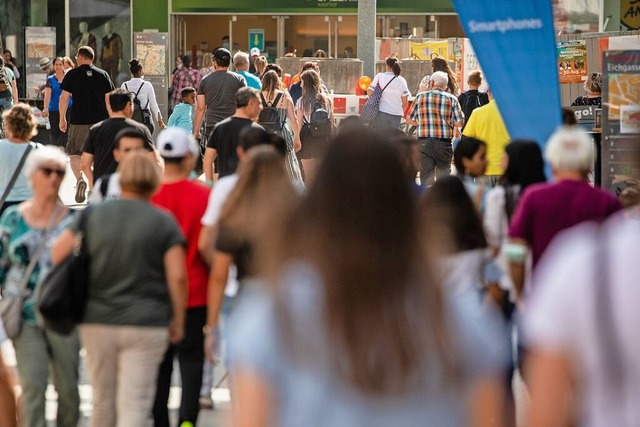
[(435, 159)]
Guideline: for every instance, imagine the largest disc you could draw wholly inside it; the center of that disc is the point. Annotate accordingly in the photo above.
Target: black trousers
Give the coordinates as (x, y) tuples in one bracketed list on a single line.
[(190, 354)]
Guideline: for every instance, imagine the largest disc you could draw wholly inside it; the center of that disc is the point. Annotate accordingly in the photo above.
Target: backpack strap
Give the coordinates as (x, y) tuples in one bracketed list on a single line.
[(104, 185), (277, 100), (264, 101), (385, 86), (138, 92)]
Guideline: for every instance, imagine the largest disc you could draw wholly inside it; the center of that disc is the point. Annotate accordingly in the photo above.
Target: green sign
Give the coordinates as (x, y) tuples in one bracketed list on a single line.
[(309, 7), (256, 38)]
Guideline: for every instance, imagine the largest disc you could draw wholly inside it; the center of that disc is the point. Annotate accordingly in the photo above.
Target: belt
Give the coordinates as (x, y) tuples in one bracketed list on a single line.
[(437, 139)]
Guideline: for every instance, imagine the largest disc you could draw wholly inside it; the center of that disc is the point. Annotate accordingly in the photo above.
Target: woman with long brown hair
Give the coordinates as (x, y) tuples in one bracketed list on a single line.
[(441, 64), (314, 144), (355, 330), (285, 124)]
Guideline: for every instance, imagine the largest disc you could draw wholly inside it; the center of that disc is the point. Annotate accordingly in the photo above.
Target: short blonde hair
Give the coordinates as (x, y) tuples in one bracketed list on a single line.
[(207, 60), (570, 149), (475, 78), (20, 121), (139, 174)]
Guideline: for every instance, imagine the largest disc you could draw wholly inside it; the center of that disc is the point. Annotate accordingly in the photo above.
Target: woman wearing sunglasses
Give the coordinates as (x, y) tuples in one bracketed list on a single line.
[(22, 230), (20, 126)]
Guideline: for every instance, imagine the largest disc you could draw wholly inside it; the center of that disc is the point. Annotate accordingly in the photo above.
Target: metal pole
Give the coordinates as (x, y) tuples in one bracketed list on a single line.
[(328, 20), (367, 35)]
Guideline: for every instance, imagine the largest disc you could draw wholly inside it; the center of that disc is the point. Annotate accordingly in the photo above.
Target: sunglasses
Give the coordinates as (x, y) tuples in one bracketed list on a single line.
[(48, 171)]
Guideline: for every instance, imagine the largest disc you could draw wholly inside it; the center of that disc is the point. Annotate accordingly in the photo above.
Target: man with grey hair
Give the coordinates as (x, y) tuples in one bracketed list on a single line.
[(241, 64), (547, 209), (438, 117), (223, 142)]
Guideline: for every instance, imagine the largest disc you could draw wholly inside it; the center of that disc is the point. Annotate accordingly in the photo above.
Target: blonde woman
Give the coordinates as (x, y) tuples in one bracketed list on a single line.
[(207, 65), (286, 126), (261, 65)]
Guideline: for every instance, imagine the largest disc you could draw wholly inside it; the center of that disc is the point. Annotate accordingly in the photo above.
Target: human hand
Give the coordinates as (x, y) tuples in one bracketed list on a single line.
[(176, 332), (45, 112), (297, 145), (212, 346), (197, 134), (62, 124)]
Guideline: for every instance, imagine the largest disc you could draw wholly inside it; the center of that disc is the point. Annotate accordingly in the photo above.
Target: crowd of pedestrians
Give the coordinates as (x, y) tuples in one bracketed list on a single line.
[(352, 274)]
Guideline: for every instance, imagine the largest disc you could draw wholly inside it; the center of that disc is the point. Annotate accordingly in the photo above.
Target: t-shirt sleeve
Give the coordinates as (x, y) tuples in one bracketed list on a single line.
[(375, 81), (521, 223), (89, 145), (226, 241), (493, 214), (405, 87), (253, 338), (217, 197), (108, 84), (48, 83), (457, 114), (173, 235), (67, 82)]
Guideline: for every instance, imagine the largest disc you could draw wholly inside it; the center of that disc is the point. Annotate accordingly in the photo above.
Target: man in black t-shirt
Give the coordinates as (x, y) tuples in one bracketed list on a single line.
[(223, 142), (89, 86), (100, 142)]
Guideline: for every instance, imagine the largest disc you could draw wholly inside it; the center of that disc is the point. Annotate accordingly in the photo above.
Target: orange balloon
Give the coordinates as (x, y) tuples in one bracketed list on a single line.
[(364, 82)]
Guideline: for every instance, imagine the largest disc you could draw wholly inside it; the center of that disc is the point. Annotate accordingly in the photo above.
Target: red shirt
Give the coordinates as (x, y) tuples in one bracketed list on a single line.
[(187, 201)]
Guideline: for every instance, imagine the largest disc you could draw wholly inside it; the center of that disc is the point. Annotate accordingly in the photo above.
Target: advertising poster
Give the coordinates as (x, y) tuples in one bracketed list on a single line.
[(516, 47), (621, 119), (39, 42), (426, 49), (572, 61)]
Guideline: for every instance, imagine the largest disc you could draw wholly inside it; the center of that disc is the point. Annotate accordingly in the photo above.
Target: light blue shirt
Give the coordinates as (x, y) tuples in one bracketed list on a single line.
[(182, 117), (10, 155), (307, 389), (252, 80)]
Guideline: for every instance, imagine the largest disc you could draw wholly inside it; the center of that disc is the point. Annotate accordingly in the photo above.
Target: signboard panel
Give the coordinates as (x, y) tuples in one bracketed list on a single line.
[(621, 119), (39, 42), (321, 7), (256, 39), (151, 49)]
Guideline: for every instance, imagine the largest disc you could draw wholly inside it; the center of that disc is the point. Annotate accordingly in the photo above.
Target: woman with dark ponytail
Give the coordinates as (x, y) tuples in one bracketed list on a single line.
[(395, 94), (144, 92)]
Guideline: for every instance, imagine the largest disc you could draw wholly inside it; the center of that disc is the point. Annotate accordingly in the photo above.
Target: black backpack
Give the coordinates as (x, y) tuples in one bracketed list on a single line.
[(319, 121), (140, 114), (470, 102), (269, 117)]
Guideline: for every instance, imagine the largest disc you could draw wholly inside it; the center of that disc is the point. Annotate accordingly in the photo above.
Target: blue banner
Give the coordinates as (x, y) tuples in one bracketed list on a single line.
[(516, 47)]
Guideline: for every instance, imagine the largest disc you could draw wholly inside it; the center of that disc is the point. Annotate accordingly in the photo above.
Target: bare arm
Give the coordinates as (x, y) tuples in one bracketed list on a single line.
[(201, 108), (550, 388), (108, 104), (405, 101), (210, 155), (293, 122), (487, 403), (14, 91), (215, 294), (62, 107), (254, 399), (176, 272), (63, 246), (86, 163), (517, 265), (205, 243), (47, 99)]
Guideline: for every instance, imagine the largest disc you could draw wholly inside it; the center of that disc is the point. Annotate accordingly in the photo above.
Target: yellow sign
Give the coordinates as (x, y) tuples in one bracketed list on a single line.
[(426, 49), (630, 14)]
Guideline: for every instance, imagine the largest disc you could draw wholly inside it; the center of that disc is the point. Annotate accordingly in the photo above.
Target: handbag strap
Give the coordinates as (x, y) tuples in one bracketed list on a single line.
[(38, 251), (16, 173), (385, 86)]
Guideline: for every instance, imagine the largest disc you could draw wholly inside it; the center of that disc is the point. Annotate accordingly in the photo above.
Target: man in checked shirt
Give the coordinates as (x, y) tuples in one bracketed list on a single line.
[(438, 117)]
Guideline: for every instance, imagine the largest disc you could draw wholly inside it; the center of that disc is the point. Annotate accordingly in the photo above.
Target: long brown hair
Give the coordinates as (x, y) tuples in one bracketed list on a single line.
[(270, 83), (262, 193), (439, 64), (358, 226), (311, 90)]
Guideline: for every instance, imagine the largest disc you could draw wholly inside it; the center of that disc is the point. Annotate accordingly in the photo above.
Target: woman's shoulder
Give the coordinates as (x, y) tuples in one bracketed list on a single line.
[(10, 217)]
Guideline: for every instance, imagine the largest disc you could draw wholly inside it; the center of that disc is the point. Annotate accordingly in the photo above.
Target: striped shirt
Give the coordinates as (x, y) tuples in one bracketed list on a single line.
[(436, 112)]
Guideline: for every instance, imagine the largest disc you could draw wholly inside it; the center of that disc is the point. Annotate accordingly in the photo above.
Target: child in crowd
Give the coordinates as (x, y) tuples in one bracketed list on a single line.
[(470, 160), (182, 115)]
